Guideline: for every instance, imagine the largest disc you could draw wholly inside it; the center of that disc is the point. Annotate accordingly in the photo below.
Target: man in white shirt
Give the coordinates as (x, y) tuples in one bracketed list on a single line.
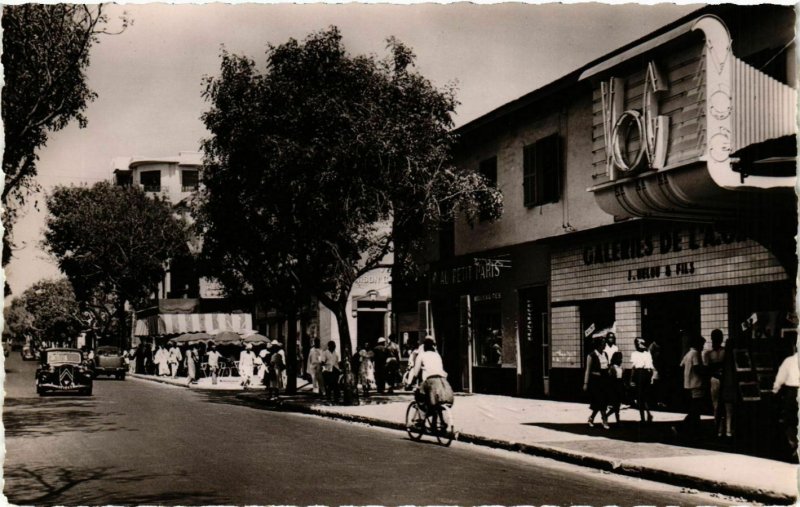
[(315, 368), (329, 360), (213, 362)]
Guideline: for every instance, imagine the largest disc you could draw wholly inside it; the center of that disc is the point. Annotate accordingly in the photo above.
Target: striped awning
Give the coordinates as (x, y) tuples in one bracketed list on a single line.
[(177, 323)]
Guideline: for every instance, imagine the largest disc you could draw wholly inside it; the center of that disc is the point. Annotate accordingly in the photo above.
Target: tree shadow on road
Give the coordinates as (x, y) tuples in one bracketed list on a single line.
[(97, 486), (49, 416)]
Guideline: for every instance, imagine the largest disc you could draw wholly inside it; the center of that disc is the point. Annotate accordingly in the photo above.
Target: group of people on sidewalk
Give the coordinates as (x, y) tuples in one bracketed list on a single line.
[(708, 374), (378, 367), (265, 365), (705, 372)]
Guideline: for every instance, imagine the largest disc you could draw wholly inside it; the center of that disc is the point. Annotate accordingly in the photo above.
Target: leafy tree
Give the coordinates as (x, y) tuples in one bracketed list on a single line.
[(17, 320), (45, 57), (112, 242), (55, 312), (321, 166)]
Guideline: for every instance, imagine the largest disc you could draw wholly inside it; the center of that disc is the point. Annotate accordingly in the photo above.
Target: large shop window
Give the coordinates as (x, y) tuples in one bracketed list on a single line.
[(542, 171), (151, 181), (487, 334)]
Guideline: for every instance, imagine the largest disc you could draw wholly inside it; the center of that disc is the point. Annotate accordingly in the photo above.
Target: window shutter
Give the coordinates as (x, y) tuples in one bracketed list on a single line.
[(529, 174)]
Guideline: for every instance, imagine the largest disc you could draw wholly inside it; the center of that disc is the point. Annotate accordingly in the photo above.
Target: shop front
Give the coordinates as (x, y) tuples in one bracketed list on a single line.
[(489, 317), (666, 282)]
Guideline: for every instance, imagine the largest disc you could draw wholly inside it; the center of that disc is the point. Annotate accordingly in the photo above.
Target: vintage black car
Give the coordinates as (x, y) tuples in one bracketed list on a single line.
[(108, 360), (63, 370)]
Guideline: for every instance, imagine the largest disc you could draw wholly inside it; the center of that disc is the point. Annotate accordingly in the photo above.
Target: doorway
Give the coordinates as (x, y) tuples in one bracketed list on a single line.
[(369, 327), (670, 320), (534, 340)]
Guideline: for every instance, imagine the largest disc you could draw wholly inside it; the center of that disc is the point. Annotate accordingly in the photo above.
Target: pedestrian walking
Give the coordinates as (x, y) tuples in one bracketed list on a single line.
[(392, 364), (329, 359), (379, 355), (315, 368), (693, 385), (366, 369), (262, 367), (714, 360), (130, 359), (611, 345), (174, 358), (786, 384), (191, 364), (213, 362), (246, 365), (616, 387), (642, 377), (161, 360), (277, 367), (140, 359), (595, 381)]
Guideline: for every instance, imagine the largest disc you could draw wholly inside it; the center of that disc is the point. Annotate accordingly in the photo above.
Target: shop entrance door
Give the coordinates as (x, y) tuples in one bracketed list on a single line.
[(670, 320), (534, 340)]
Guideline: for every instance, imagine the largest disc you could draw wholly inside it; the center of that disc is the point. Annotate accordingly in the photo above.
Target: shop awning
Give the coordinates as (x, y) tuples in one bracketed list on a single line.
[(177, 323)]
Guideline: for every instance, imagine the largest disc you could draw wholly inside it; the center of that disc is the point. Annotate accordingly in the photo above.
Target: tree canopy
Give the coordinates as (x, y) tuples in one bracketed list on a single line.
[(47, 310), (323, 164), (112, 241), (45, 56)]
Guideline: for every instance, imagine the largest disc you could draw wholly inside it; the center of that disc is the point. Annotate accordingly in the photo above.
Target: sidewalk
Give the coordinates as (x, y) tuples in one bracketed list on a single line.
[(223, 383), (559, 430)]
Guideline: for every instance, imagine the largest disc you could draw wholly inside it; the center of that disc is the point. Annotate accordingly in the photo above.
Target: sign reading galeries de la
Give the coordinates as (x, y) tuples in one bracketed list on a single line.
[(660, 260)]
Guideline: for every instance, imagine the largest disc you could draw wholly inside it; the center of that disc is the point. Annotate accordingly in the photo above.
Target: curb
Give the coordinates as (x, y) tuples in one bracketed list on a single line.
[(184, 384), (149, 378), (575, 458)]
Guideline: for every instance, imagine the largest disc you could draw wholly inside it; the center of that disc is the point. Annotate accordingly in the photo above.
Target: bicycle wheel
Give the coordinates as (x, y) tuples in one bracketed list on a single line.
[(443, 426), (414, 421)]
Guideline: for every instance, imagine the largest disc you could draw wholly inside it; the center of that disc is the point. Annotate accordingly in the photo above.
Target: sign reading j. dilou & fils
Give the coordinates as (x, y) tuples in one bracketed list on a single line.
[(660, 260)]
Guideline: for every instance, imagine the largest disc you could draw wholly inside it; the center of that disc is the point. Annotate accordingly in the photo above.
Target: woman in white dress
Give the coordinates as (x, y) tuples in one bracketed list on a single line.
[(160, 359)]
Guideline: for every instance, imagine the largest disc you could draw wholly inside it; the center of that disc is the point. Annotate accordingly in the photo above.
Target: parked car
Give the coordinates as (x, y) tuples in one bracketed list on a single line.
[(28, 352), (63, 370), (108, 360)]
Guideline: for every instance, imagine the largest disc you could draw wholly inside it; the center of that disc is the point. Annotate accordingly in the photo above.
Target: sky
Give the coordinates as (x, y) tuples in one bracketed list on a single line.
[(149, 79)]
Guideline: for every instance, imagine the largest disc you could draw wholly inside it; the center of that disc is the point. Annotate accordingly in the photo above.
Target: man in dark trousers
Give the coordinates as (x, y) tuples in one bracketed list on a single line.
[(379, 358)]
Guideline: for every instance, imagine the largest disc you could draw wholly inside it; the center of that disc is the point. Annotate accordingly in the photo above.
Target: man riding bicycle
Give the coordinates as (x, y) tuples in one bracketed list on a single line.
[(435, 390)]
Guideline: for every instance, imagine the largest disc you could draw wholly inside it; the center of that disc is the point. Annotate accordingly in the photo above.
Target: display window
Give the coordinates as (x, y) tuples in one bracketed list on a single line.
[(487, 334)]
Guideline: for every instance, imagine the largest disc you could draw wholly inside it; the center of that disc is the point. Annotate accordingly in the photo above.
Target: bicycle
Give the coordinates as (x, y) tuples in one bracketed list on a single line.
[(437, 422)]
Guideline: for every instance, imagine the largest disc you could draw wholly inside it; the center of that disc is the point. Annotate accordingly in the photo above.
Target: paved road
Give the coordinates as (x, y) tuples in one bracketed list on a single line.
[(138, 442)]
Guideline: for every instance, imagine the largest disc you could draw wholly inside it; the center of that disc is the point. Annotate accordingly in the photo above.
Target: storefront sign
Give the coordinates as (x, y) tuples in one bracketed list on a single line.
[(529, 320), (657, 243), (480, 269), (494, 296), (651, 129), (660, 260), (376, 277)]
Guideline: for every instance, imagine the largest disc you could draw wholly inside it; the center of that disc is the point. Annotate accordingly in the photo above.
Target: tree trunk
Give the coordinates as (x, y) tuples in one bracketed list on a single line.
[(350, 385), (122, 326), (291, 351)]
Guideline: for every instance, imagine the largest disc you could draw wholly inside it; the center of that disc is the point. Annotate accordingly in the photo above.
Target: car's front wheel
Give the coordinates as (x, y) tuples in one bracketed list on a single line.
[(87, 391), (120, 376), (41, 391)]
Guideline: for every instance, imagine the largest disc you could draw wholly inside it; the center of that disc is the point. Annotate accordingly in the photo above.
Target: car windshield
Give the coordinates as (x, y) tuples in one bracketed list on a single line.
[(63, 356), (108, 351)]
